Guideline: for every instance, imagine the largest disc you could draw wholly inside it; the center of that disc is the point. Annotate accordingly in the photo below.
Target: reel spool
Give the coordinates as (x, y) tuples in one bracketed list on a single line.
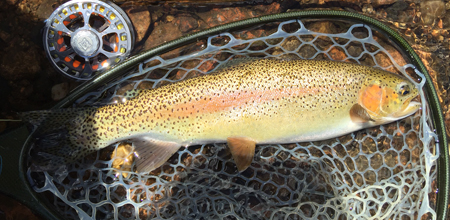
[(85, 37)]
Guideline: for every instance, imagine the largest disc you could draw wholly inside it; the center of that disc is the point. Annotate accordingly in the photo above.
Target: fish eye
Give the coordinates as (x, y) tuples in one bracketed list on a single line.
[(404, 90)]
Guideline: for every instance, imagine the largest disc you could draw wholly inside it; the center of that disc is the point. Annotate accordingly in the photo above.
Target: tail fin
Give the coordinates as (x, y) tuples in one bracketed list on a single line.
[(53, 144), (45, 120)]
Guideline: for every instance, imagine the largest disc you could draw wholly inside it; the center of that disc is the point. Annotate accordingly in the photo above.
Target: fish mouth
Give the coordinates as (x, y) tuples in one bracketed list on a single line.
[(410, 109)]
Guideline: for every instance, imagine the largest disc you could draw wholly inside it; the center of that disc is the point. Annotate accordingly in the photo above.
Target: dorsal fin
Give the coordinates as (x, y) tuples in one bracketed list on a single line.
[(236, 61)]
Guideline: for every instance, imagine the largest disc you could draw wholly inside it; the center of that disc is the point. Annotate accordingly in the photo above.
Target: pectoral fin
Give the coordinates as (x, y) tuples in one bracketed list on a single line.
[(242, 149), (359, 115), (151, 153)]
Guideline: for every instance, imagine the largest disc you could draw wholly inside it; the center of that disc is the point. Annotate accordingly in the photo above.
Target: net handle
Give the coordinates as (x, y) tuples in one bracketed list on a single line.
[(102, 79), (13, 180)]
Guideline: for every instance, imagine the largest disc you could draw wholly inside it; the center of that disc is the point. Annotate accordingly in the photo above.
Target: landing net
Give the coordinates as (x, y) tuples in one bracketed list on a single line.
[(385, 172)]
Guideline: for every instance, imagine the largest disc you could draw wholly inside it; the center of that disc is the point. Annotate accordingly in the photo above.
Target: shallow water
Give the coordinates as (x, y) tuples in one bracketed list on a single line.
[(428, 35)]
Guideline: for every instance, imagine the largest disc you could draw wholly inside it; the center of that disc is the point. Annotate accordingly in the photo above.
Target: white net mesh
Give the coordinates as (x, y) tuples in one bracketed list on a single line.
[(377, 173)]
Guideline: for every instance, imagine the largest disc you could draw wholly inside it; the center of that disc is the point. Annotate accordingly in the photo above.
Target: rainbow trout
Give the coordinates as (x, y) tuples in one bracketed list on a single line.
[(260, 101)]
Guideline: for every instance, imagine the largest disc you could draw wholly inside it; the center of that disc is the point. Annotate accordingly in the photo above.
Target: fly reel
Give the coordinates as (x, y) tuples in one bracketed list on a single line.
[(85, 37)]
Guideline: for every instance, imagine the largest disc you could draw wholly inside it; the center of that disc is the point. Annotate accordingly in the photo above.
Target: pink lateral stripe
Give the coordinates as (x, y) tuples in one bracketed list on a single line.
[(224, 102)]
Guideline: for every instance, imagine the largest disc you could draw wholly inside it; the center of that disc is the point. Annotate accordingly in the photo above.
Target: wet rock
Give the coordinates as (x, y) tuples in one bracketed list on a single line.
[(378, 3), (337, 53), (12, 2), (124, 89), (207, 66), (406, 16), (431, 10), (398, 6), (225, 15), (381, 13), (12, 209), (306, 2), (355, 50), (145, 85), (4, 35), (170, 18), (21, 89), (20, 64), (367, 8), (186, 24), (59, 91), (307, 51), (161, 33), (44, 10), (375, 3), (435, 33), (251, 34), (394, 10), (141, 19), (447, 122), (218, 16), (323, 27), (396, 55), (446, 21), (291, 44), (263, 9), (156, 15)]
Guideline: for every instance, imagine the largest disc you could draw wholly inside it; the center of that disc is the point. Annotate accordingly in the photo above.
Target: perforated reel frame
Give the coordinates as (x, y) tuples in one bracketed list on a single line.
[(85, 37)]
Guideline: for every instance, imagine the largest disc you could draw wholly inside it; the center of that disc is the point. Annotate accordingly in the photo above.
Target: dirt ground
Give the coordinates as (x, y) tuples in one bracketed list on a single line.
[(28, 81)]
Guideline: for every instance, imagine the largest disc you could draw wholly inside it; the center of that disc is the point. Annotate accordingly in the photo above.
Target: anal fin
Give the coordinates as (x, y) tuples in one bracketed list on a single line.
[(242, 149), (152, 153)]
